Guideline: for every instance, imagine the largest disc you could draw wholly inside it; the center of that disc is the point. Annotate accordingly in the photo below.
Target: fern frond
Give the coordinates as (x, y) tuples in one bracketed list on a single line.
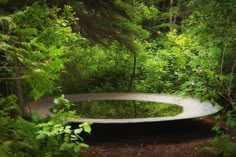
[(5, 148), (5, 151), (6, 23), (4, 37)]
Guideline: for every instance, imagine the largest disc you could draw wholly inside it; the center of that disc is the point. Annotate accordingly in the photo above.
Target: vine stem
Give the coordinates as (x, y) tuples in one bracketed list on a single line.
[(231, 77), (222, 58)]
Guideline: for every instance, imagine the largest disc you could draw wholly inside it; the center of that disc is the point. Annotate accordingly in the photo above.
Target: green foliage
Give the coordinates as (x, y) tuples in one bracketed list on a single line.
[(165, 62), (41, 41), (3, 1), (17, 135), (9, 107), (62, 138), (86, 46), (40, 137), (110, 20), (221, 146), (98, 68), (211, 29)]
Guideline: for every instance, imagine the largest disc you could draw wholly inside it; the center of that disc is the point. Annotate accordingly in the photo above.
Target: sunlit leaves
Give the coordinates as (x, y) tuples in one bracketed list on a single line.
[(57, 128), (86, 127), (41, 41), (147, 12)]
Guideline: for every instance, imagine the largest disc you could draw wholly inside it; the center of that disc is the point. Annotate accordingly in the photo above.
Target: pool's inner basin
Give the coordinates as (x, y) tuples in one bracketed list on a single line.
[(123, 109)]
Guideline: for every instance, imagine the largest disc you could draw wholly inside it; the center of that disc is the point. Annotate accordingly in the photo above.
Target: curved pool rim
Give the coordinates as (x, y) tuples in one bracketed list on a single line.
[(192, 108)]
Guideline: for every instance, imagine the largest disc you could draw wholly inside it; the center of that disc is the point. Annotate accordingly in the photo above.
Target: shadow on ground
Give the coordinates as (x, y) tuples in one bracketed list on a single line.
[(179, 131)]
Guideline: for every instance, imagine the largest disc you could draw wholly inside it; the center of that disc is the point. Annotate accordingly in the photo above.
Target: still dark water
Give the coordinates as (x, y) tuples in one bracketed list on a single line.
[(125, 109)]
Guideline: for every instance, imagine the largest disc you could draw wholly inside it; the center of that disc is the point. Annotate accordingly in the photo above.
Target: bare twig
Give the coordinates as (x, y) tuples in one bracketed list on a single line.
[(16, 78), (222, 85), (227, 105), (6, 67), (226, 98)]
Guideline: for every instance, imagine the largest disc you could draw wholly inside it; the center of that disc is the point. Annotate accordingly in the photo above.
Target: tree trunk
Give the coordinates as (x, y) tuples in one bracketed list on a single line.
[(19, 91), (130, 88), (170, 16)]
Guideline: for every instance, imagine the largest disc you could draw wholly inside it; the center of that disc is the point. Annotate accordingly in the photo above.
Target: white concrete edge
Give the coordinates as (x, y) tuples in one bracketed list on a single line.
[(192, 108)]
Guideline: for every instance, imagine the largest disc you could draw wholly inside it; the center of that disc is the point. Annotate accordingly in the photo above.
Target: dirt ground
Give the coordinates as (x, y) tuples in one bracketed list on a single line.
[(182, 138)]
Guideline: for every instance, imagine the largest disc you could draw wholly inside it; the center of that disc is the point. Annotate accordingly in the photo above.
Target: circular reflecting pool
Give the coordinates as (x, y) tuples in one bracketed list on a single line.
[(134, 107)]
